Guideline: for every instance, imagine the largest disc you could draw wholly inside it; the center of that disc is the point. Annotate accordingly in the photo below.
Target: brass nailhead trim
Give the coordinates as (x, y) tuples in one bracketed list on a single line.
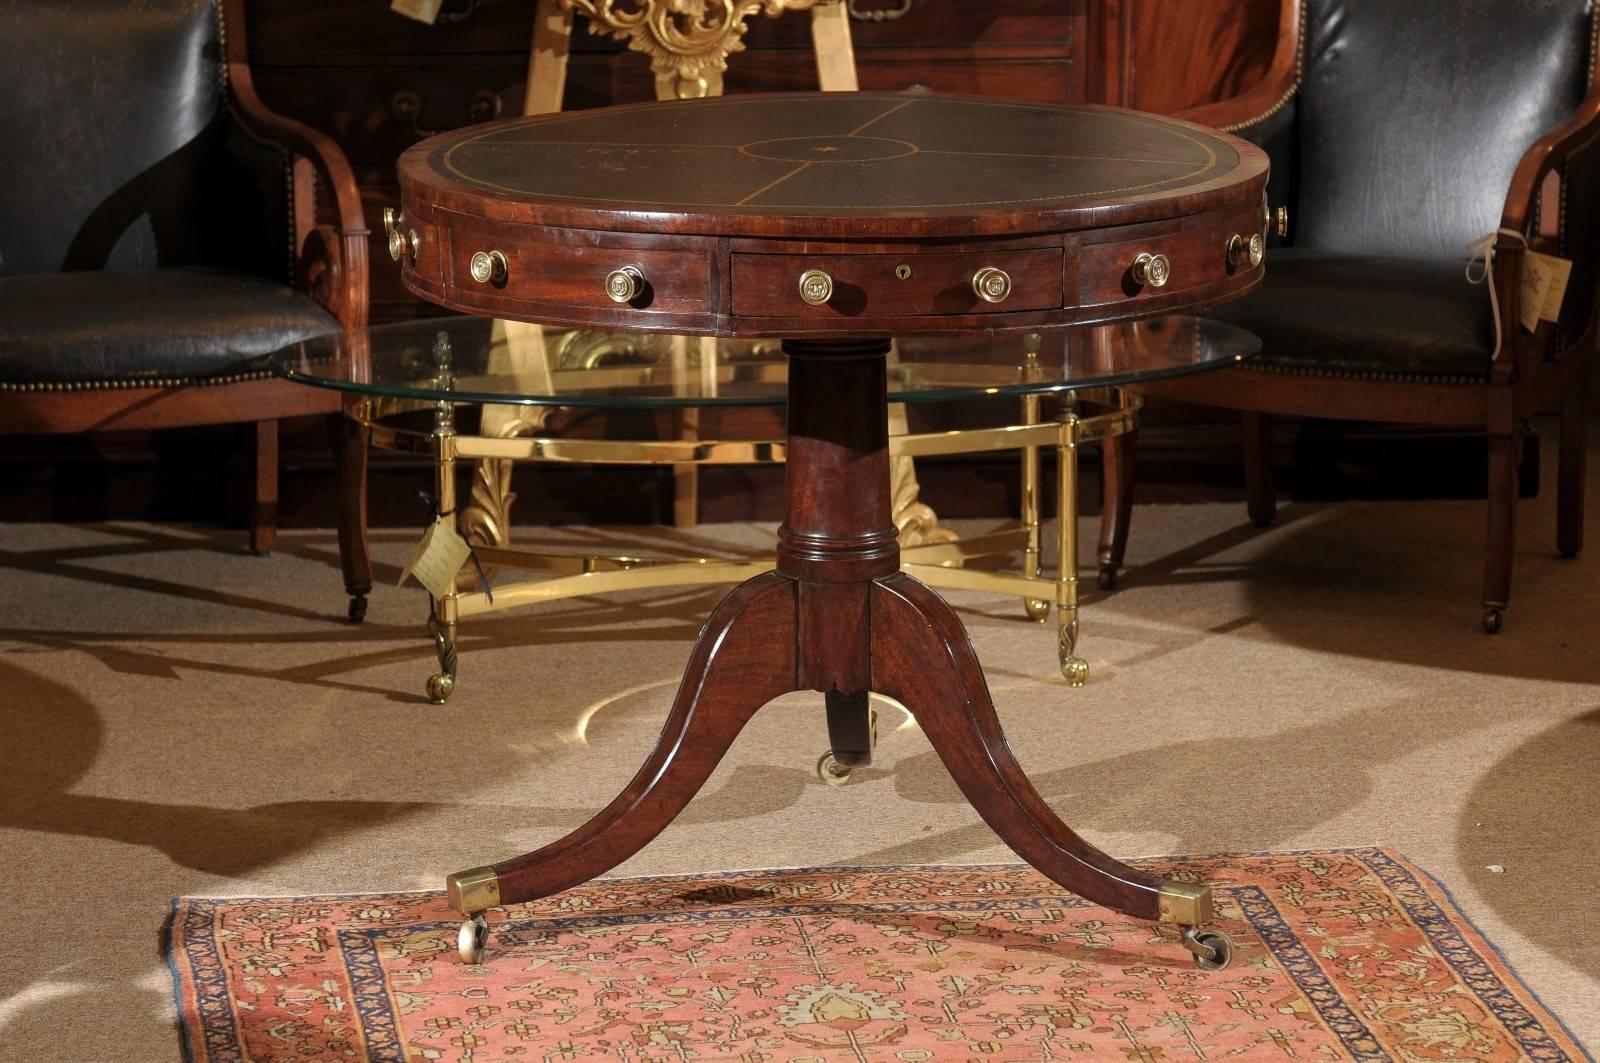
[(123, 385), (1299, 75), (1364, 374)]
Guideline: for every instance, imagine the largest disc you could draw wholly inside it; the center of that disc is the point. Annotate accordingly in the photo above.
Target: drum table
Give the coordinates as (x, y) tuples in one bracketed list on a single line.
[(833, 221)]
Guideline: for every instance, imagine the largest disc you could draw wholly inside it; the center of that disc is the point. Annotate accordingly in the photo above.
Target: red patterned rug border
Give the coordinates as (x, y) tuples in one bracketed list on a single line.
[(1428, 903)]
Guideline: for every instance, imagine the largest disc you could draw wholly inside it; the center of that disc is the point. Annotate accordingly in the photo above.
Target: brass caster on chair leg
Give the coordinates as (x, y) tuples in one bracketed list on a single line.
[(1493, 617), (1213, 949), (1108, 577), (358, 608), (1075, 670), (471, 938), (1038, 609), (831, 771)]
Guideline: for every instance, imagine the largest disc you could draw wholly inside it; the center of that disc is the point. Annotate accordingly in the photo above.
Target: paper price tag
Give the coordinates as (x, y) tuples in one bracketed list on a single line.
[(421, 10), (1560, 274), (1536, 279), (437, 559)]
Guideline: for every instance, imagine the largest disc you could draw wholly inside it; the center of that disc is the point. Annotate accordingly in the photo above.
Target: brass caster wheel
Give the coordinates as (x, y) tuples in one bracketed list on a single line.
[(440, 688), (358, 608), (1038, 609), (471, 938), (1075, 670), (1108, 577), (1213, 949), (1492, 619), (831, 771)]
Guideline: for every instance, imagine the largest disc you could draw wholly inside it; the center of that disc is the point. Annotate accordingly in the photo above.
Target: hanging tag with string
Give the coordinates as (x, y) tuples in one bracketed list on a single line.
[(1543, 283), (437, 558)]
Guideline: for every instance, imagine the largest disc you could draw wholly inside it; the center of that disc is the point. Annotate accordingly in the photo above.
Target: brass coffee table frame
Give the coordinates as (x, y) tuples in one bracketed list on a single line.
[(941, 564)]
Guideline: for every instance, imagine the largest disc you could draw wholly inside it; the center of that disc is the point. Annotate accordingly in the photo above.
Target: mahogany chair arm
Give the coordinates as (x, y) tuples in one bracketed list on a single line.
[(1551, 152), (1273, 91), (332, 259)]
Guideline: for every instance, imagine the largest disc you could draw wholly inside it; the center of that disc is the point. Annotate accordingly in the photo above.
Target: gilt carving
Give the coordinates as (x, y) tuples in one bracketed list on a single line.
[(688, 41)]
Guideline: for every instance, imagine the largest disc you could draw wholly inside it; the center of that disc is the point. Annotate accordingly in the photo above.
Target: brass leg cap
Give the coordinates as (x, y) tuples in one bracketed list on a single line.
[(473, 891), (1185, 904)]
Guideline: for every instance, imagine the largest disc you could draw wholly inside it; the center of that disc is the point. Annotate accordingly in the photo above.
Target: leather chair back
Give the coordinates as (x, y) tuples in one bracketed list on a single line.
[(1412, 114), (113, 121)]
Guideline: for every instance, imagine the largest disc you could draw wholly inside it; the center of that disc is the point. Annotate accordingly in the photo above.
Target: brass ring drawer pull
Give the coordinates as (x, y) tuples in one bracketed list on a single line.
[(488, 267), (1152, 269), (625, 285), (403, 242), (816, 287), (992, 284), (1242, 251)]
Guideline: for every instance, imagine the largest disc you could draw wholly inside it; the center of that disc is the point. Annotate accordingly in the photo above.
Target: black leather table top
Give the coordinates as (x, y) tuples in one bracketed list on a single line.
[(840, 155)]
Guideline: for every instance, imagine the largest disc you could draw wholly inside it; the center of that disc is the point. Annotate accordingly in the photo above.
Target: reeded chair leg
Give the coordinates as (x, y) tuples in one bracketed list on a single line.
[(1116, 512), (1261, 498), (349, 444), (264, 502), (1570, 471), (1503, 462)]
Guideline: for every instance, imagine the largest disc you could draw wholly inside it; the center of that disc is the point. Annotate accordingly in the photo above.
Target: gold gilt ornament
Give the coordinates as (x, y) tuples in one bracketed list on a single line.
[(688, 41)]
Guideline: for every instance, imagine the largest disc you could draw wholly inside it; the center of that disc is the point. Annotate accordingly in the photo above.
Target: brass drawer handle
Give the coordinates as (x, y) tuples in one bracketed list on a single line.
[(1152, 269), (1280, 221), (489, 267), (816, 287), (992, 284), (878, 14), (625, 285), (1242, 251), (403, 242)]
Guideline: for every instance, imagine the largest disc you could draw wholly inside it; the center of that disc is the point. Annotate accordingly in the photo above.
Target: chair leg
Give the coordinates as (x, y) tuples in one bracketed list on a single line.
[(264, 505), (1503, 462), (1116, 512), (1570, 471), (349, 444), (1262, 499)]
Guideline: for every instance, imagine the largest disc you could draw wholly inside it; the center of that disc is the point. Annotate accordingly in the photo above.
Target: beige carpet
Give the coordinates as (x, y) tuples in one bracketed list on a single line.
[(178, 718)]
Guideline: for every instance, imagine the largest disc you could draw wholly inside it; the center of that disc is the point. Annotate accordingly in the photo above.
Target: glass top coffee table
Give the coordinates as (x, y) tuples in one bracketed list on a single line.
[(421, 387)]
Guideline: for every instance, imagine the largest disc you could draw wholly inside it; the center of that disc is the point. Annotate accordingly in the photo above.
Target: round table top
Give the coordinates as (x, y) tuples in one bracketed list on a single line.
[(479, 360), (834, 165), (842, 215)]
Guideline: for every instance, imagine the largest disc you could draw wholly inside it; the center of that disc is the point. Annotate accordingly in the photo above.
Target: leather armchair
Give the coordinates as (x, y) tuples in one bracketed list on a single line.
[(161, 231), (1399, 133)]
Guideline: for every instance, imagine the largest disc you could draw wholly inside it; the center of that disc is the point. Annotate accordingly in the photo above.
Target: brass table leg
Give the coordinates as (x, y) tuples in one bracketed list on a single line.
[(442, 624), (1073, 667), (1038, 608)]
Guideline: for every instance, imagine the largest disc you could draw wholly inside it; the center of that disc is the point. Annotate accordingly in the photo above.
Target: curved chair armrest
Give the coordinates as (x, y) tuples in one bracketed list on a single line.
[(333, 265), (1275, 89), (1579, 133), (1572, 137)]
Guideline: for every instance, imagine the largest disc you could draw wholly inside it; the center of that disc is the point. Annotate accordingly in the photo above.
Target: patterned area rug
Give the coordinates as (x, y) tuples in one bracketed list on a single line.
[(1344, 954)]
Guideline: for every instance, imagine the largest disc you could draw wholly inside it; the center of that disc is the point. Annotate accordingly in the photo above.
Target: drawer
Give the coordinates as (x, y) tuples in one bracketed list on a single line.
[(884, 285), (932, 22), (1197, 258), (569, 268), (1036, 76)]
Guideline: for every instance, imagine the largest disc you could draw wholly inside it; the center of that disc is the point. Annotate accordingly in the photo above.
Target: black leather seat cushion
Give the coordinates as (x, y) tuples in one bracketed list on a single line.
[(159, 324), (1332, 312)]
